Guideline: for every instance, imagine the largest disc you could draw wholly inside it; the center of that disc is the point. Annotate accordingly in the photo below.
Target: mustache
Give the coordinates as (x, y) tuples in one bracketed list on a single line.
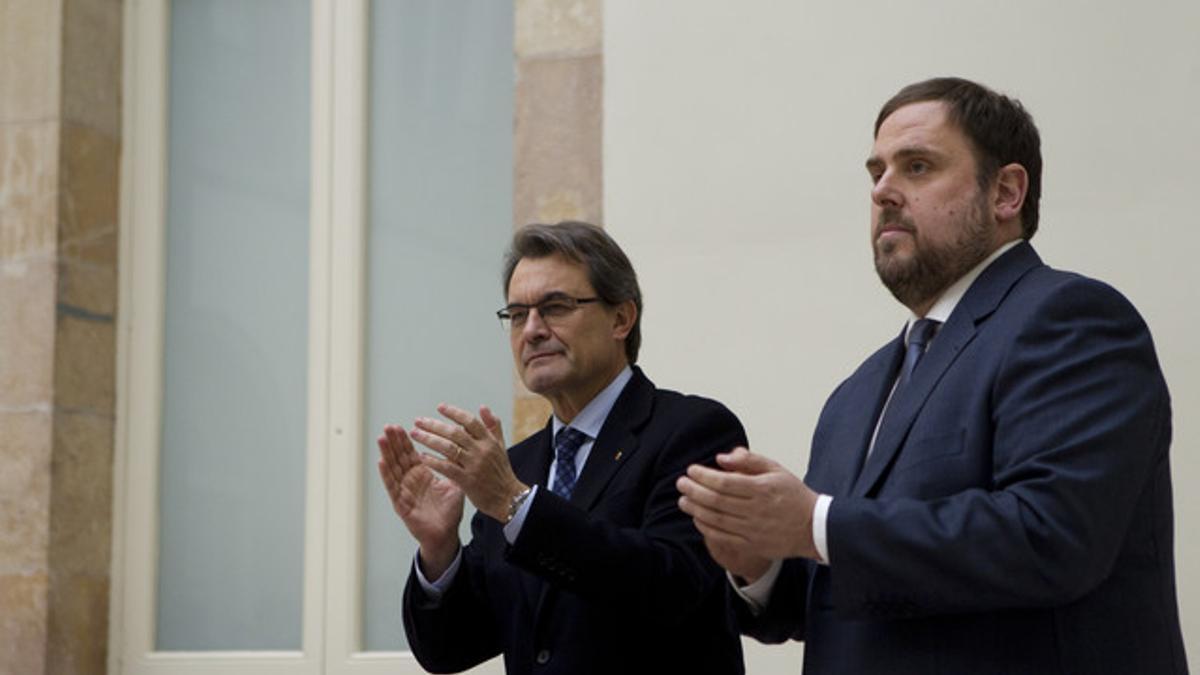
[(891, 215)]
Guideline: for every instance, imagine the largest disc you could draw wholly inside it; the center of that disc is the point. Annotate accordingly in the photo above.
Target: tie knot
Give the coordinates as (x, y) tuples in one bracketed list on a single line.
[(568, 441), (922, 331)]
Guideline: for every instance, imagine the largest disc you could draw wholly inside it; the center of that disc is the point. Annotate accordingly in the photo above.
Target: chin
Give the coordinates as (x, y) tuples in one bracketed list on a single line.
[(539, 380), (894, 269), (892, 252), (536, 386), (892, 246)]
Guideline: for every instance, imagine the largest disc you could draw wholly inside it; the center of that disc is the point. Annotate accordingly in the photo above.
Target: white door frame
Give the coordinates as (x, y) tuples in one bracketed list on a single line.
[(332, 587)]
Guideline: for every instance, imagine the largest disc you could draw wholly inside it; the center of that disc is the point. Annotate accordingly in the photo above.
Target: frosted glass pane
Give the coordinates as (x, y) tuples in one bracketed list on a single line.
[(233, 448), (440, 218)]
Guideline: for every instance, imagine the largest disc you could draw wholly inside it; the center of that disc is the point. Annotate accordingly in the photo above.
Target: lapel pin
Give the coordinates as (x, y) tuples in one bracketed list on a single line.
[(617, 457)]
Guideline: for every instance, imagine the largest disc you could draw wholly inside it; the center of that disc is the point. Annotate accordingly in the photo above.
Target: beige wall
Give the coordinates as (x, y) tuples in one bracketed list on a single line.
[(59, 146), (735, 135)]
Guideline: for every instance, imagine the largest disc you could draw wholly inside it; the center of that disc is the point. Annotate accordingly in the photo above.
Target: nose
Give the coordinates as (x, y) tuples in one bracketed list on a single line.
[(885, 192), (535, 328)]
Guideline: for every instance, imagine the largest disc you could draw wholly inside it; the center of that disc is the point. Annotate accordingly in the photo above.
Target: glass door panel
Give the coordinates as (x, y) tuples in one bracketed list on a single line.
[(231, 497), (440, 214)]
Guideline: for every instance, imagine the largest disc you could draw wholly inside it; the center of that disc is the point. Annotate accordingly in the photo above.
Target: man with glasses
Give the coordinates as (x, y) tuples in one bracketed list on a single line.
[(580, 559)]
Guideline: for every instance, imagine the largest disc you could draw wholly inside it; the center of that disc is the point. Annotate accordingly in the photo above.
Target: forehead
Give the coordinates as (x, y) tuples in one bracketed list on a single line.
[(922, 125), (534, 278)]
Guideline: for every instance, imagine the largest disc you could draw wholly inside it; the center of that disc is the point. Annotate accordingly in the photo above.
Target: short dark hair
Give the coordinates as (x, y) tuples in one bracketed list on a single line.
[(1000, 129), (608, 268)]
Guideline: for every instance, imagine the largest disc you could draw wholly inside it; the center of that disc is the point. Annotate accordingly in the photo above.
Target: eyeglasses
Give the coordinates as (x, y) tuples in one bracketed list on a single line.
[(552, 309)]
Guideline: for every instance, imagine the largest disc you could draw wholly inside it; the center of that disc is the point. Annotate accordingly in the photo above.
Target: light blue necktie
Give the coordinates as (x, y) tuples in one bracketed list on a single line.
[(566, 445)]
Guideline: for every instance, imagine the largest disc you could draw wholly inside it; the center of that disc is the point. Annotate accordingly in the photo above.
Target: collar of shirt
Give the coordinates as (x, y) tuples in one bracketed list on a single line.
[(592, 417), (945, 304), (590, 420), (941, 311)]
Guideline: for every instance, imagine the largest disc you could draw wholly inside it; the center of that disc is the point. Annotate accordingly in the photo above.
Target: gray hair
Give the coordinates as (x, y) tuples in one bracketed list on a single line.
[(608, 268)]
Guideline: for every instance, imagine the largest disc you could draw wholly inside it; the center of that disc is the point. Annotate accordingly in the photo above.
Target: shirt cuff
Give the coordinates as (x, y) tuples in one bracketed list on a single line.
[(435, 589), (757, 594), (513, 529), (820, 515)]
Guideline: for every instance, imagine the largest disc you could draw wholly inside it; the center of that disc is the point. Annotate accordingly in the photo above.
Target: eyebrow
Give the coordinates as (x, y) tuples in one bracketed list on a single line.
[(906, 152), (552, 295)]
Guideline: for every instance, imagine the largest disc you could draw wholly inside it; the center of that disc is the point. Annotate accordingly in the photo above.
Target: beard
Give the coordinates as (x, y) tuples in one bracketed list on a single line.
[(932, 268)]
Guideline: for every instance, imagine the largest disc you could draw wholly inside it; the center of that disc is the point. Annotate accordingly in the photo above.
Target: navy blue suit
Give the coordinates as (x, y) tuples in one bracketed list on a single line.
[(615, 581), (1015, 515)]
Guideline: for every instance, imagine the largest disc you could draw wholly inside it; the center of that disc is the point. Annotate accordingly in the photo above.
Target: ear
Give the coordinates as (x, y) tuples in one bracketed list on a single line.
[(1012, 184), (624, 316)]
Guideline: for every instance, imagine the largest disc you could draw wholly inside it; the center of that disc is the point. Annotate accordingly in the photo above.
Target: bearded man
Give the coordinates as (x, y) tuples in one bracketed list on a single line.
[(990, 492)]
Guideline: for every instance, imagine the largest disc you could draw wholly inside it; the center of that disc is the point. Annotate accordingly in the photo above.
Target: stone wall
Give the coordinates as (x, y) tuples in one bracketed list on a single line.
[(558, 132), (59, 157)]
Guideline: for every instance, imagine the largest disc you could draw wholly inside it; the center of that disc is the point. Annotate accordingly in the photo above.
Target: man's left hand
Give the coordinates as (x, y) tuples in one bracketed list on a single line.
[(754, 504), (473, 456)]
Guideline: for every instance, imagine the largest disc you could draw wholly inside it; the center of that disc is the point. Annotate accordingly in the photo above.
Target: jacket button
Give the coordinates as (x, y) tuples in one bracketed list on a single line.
[(543, 657)]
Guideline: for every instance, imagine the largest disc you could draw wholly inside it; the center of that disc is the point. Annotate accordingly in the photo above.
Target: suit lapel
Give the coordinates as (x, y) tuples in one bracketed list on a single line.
[(612, 448), (877, 384), (617, 441), (908, 399), (535, 467), (980, 301)]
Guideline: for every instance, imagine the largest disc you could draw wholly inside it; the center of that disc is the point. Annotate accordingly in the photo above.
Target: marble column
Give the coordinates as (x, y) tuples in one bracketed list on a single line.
[(558, 132), (59, 157)]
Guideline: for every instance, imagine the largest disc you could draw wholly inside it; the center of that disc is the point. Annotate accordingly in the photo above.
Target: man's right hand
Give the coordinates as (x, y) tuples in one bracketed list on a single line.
[(751, 510), (431, 507), (738, 561)]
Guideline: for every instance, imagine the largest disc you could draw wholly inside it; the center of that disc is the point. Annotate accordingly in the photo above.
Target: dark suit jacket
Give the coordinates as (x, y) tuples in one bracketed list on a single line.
[(615, 581), (1015, 515)]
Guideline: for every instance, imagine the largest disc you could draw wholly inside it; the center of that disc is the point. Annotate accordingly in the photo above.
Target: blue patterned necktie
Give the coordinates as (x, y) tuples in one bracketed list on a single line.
[(922, 331), (566, 445)]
